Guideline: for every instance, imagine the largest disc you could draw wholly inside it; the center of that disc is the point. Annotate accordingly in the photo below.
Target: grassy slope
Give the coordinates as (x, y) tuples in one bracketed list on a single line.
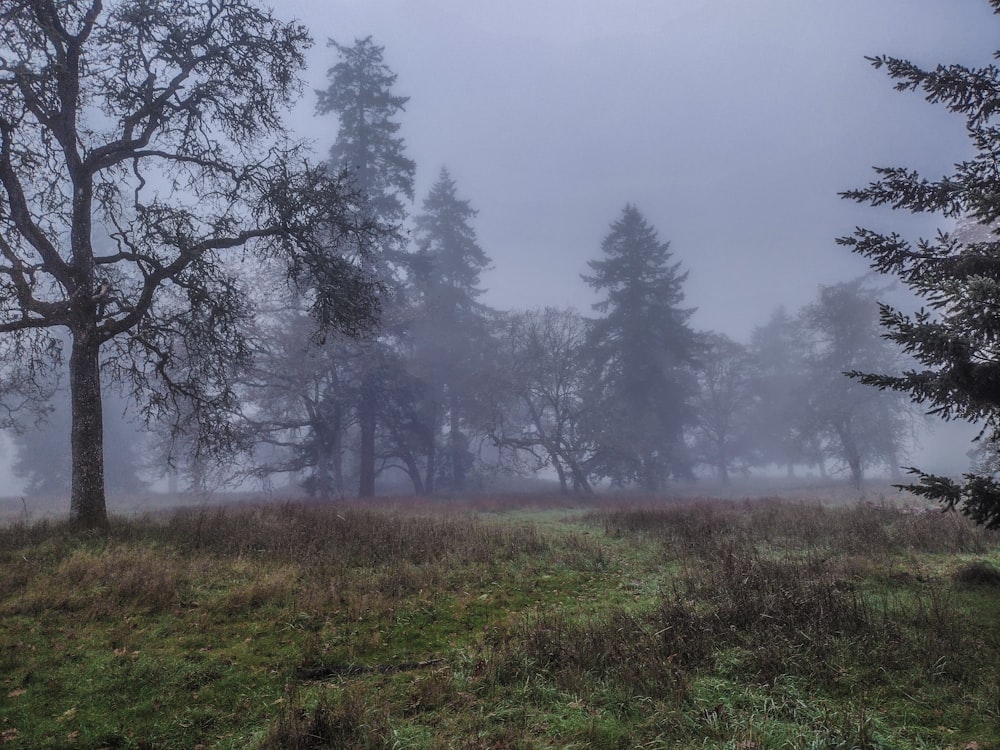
[(705, 624)]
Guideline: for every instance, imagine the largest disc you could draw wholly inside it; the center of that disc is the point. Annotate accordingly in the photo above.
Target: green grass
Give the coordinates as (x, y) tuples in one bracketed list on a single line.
[(701, 624)]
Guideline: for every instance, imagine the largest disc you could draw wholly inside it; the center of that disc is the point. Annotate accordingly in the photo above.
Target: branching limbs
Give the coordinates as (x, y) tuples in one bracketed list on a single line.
[(142, 160)]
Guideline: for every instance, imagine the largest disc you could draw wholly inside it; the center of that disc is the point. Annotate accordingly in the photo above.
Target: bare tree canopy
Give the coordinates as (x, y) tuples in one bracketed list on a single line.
[(142, 160)]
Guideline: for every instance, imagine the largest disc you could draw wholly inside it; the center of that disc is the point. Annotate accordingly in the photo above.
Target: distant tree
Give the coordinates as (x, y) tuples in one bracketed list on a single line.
[(724, 405), (785, 430), (955, 338), (862, 427), (450, 327), (540, 388), (26, 380), (368, 146), (642, 350), (409, 421), (160, 121), (370, 150), (299, 394)]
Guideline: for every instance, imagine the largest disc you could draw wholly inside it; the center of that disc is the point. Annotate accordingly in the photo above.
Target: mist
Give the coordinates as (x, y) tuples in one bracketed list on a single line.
[(729, 129), (732, 126)]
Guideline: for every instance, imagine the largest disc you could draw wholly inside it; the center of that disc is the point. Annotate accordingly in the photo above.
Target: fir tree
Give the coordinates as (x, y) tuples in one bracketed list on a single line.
[(642, 349), (368, 146), (452, 325), (369, 149), (956, 335)]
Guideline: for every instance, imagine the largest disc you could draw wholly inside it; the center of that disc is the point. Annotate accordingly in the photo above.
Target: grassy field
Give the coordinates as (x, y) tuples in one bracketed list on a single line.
[(515, 623)]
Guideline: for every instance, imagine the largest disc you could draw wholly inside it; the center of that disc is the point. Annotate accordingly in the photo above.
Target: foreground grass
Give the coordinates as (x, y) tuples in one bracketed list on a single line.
[(703, 624)]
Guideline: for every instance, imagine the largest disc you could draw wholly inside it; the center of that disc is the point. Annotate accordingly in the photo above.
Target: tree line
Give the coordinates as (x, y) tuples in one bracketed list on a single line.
[(158, 225)]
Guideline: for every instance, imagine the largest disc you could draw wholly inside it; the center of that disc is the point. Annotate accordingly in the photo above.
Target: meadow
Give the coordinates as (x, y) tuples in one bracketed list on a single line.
[(508, 622)]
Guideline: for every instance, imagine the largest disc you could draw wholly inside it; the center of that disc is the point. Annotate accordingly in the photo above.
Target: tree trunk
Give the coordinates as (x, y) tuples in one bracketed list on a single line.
[(722, 464), (431, 467), (413, 472), (456, 444), (88, 507), (366, 418), (337, 450), (895, 470), (561, 472), (322, 460), (851, 454), (649, 477), (580, 483)]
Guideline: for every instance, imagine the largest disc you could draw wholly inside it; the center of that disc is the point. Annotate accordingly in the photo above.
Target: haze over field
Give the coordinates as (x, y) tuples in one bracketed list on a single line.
[(732, 126), (549, 150)]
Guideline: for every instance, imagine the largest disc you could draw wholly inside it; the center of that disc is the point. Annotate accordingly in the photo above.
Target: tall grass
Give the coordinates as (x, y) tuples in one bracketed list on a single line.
[(684, 624)]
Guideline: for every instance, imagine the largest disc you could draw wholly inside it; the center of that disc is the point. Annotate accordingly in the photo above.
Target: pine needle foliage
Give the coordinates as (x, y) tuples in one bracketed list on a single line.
[(955, 336)]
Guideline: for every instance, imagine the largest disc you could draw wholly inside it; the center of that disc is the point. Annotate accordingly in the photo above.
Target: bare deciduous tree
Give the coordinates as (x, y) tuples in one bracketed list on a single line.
[(159, 123)]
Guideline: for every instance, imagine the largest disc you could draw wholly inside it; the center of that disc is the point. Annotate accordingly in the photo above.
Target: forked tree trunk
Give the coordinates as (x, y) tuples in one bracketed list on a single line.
[(88, 507)]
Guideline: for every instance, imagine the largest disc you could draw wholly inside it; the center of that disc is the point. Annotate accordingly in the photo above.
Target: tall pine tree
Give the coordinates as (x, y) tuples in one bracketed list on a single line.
[(369, 148), (956, 337), (451, 327), (643, 350), (368, 145)]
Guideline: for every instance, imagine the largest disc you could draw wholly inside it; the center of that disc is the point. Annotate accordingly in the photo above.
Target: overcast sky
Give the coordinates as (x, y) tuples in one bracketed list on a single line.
[(731, 124)]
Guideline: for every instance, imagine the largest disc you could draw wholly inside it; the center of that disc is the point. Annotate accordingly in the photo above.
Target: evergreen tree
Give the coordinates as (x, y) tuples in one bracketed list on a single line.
[(956, 337), (370, 151), (368, 146), (643, 350), (451, 327)]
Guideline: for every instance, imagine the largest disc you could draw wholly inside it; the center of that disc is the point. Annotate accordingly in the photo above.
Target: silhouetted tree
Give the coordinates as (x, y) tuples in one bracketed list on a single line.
[(299, 395), (539, 387), (861, 426), (369, 148), (160, 121), (724, 405), (450, 328), (642, 350), (786, 433), (955, 338)]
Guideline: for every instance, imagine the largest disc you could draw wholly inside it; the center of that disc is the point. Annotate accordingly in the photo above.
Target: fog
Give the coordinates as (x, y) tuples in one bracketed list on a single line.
[(731, 125)]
